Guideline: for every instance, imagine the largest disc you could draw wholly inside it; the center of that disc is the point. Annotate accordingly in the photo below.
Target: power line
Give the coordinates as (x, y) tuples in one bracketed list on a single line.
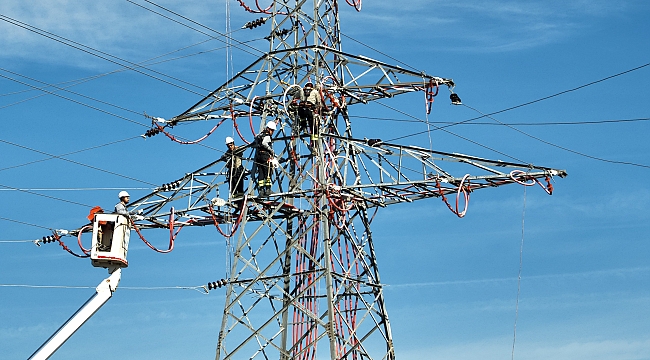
[(24, 223), (448, 132), (100, 54), (71, 92), (592, 122), (70, 153), (382, 53), (560, 147), (76, 162), (74, 101), (201, 288), (43, 195), (257, 51), (81, 189), (527, 103)]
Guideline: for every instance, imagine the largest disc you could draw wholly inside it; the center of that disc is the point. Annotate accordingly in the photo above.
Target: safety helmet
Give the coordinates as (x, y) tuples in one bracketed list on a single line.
[(123, 194), (229, 140), (310, 85), (271, 125)]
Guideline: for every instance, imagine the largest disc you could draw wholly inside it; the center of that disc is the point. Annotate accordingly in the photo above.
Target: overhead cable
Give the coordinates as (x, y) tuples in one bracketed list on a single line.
[(257, 51), (101, 54), (558, 146), (71, 92), (447, 131), (70, 153), (74, 101), (43, 195), (76, 162), (527, 103), (588, 122), (201, 288)]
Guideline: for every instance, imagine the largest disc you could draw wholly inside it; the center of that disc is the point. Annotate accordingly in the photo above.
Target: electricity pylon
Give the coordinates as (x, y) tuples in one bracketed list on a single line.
[(302, 278)]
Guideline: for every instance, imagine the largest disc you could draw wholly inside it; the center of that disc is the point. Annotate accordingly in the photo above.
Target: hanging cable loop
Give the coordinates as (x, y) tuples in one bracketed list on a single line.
[(56, 237), (172, 234), (465, 190), (355, 3), (429, 94), (235, 225), (85, 251), (527, 180), (234, 121), (173, 138), (530, 181)]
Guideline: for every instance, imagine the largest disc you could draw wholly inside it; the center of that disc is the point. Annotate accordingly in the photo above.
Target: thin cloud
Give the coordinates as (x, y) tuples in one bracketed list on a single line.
[(505, 25)]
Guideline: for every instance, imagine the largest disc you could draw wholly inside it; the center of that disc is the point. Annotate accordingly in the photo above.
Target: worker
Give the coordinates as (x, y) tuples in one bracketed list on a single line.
[(309, 109), (265, 158), (120, 207), (235, 170)]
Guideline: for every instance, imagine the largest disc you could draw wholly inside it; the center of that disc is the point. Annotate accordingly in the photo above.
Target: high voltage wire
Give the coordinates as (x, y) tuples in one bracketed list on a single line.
[(25, 223), (448, 132), (80, 189), (100, 54), (147, 62), (70, 153), (561, 147), (593, 122), (71, 92), (43, 195), (201, 288), (76, 162), (258, 52), (74, 101), (524, 104)]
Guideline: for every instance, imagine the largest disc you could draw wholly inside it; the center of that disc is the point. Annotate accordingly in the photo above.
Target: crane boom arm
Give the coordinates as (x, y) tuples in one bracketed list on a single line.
[(104, 291)]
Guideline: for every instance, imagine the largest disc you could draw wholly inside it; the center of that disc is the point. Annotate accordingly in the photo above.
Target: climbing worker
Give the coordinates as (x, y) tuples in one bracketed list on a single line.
[(265, 158), (235, 170), (309, 109)]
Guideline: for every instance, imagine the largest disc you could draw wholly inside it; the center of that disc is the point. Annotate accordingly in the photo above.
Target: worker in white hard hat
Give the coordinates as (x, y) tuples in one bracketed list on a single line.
[(120, 207), (265, 158), (235, 171)]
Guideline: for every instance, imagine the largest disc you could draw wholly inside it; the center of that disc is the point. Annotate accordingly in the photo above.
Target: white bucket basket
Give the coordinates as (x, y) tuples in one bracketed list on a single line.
[(111, 233)]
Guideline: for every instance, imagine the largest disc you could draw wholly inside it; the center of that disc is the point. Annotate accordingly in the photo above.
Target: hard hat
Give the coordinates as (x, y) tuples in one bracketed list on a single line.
[(229, 140), (309, 84), (123, 194), (271, 125)]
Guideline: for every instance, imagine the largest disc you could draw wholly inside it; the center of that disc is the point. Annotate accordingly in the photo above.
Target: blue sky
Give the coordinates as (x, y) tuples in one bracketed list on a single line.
[(451, 283)]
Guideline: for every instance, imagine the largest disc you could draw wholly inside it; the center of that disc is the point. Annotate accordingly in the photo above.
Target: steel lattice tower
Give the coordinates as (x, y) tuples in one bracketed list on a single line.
[(302, 277)]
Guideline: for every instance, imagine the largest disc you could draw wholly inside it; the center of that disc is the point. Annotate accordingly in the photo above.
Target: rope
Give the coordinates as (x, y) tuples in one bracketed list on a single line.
[(521, 257)]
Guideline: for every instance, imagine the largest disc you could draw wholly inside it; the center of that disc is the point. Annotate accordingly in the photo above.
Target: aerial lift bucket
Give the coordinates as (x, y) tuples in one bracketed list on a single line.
[(111, 233)]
